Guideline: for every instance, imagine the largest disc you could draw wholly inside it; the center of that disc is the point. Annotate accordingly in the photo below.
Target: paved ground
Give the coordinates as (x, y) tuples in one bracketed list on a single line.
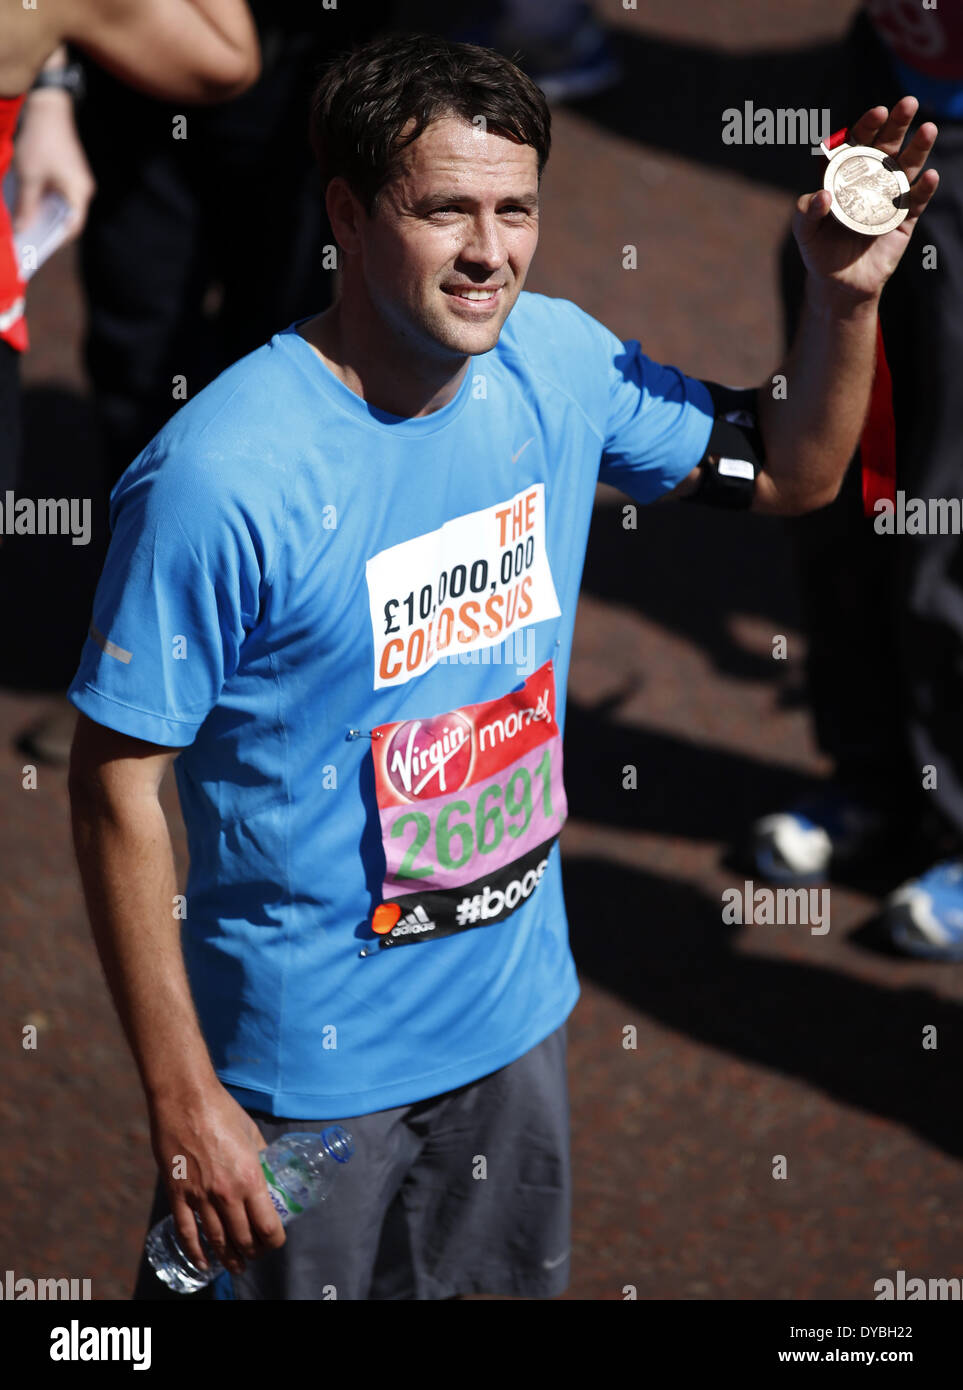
[(751, 1042)]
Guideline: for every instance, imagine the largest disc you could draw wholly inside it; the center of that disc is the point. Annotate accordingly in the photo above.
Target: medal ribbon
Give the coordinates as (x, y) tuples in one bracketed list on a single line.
[(877, 445)]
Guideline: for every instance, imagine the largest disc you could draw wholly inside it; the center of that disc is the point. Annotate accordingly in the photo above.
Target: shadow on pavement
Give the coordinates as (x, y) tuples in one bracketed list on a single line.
[(673, 95), (685, 789), (690, 568), (663, 948)]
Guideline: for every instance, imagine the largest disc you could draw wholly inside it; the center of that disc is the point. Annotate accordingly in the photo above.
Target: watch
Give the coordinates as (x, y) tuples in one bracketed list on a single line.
[(870, 191)]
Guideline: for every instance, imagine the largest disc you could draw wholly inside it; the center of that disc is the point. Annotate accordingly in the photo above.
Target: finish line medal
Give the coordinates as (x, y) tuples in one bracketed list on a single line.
[(870, 191)]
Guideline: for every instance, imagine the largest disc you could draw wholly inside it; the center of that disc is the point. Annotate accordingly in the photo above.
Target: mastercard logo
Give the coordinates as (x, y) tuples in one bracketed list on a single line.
[(385, 917)]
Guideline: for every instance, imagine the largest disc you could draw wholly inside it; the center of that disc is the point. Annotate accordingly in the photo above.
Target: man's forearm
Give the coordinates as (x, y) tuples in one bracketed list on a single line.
[(127, 867), (810, 435)]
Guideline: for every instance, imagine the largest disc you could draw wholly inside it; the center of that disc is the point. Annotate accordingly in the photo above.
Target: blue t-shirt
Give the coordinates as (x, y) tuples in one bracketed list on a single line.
[(358, 628)]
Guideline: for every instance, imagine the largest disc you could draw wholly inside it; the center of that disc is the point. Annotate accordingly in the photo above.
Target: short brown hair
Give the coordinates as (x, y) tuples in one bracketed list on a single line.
[(365, 99)]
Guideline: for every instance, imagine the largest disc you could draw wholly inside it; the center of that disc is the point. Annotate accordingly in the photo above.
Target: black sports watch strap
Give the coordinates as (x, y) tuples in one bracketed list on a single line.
[(734, 454)]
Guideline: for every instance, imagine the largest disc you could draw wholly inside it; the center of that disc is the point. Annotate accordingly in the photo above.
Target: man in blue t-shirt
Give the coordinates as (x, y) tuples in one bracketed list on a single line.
[(339, 598)]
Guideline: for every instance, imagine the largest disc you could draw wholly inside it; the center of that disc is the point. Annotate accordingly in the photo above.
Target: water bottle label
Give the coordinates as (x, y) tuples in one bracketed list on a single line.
[(279, 1206), (284, 1205)]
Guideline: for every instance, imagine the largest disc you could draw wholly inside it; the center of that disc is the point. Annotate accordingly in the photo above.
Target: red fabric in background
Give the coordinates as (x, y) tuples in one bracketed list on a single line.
[(931, 40), (877, 447), (11, 286)]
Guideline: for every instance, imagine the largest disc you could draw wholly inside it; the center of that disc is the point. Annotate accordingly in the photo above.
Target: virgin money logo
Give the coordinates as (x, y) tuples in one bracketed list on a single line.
[(429, 756)]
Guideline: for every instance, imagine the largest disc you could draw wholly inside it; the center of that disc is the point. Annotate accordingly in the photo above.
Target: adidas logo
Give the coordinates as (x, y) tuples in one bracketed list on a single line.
[(416, 921)]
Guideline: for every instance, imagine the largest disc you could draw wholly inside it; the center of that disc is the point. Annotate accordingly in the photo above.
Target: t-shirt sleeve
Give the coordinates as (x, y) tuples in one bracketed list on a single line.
[(179, 591), (658, 423)]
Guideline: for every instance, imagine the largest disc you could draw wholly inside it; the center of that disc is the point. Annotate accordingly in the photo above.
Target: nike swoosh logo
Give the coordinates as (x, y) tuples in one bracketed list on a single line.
[(552, 1264), (516, 457)]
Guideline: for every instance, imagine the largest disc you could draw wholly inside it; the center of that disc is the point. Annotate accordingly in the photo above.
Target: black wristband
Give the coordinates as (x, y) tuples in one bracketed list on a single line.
[(734, 453), (69, 78)]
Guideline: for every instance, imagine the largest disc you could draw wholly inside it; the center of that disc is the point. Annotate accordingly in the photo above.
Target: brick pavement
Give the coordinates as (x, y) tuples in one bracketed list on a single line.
[(750, 1042)]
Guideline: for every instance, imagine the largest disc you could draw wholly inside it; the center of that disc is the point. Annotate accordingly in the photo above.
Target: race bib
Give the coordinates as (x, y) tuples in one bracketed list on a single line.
[(471, 802)]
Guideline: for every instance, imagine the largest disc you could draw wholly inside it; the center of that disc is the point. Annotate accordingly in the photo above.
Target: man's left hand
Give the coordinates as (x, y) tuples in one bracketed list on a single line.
[(845, 266)]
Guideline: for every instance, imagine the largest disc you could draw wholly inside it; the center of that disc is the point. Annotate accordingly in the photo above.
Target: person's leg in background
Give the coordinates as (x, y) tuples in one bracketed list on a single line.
[(848, 587), (217, 202), (885, 613), (851, 596), (144, 270), (262, 208), (234, 199), (144, 263), (924, 334), (194, 205), (9, 418)]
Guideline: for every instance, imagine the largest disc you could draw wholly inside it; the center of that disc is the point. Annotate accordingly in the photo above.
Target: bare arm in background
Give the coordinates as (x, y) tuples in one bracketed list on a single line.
[(175, 50), (186, 50)]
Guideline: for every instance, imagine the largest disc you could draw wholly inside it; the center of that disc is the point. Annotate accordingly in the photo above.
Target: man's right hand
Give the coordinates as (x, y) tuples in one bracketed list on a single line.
[(223, 1181)]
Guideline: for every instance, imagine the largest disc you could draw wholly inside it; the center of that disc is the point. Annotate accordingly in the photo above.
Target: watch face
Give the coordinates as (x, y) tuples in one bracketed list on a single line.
[(870, 191)]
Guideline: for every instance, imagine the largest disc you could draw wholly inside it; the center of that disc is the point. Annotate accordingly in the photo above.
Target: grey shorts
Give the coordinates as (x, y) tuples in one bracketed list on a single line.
[(467, 1192)]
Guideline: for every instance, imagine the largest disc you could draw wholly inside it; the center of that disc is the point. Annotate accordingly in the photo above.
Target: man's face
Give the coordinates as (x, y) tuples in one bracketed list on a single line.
[(445, 255)]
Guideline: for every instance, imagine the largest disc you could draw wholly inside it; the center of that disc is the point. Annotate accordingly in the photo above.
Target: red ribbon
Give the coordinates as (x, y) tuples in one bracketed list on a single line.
[(877, 447)]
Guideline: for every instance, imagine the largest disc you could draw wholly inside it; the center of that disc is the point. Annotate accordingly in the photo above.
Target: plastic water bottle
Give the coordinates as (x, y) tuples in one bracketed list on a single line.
[(299, 1169)]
